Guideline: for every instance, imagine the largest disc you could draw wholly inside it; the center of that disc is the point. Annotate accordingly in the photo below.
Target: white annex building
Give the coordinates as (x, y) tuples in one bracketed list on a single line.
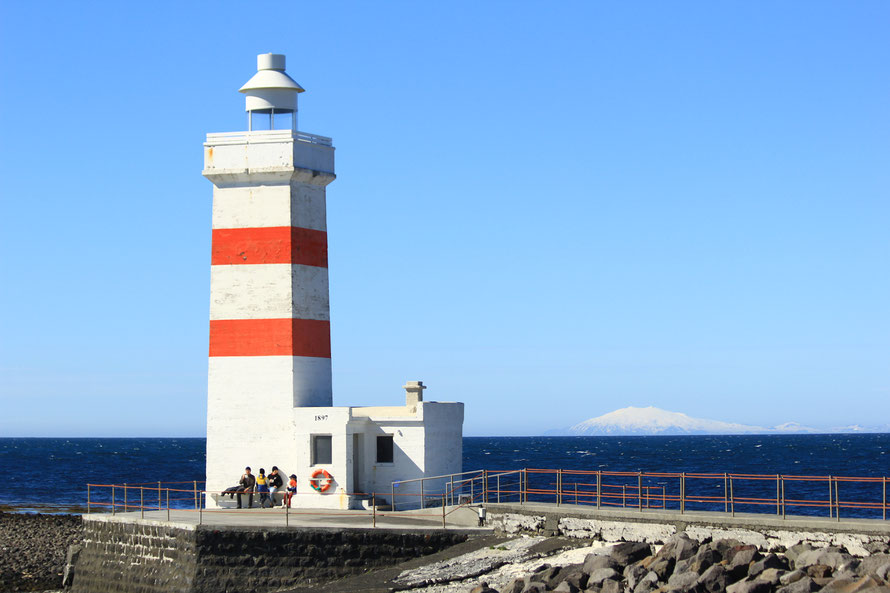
[(269, 396)]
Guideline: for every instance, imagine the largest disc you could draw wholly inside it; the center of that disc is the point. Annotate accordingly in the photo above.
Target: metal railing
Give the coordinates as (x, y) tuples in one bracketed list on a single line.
[(261, 136), (160, 500)]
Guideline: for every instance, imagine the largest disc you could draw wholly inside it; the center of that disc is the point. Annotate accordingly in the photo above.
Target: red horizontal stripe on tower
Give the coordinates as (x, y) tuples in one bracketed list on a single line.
[(270, 337), (270, 245)]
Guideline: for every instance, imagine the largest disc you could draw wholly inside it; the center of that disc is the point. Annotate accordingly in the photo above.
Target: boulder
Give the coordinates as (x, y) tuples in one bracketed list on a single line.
[(832, 557), (602, 574), (714, 579), (629, 552), (574, 575), (745, 554), (663, 567), (791, 577), (704, 559), (796, 550), (483, 588), (866, 583), (871, 564), (877, 547), (768, 561), (802, 585), (610, 586), (595, 561), (771, 575), (722, 546), (750, 586), (647, 583), (818, 571), (682, 581), (883, 572), (565, 587), (535, 587), (679, 547), (516, 585), (633, 574)]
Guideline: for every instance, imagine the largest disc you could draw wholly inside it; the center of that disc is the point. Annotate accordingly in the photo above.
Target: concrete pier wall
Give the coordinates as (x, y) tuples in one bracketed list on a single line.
[(764, 531), (142, 556)]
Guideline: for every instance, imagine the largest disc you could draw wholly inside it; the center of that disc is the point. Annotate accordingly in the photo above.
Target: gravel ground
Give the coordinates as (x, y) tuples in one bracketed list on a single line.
[(33, 549)]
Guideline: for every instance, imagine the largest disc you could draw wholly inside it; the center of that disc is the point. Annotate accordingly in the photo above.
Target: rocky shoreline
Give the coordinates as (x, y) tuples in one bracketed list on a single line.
[(684, 565), (33, 549)]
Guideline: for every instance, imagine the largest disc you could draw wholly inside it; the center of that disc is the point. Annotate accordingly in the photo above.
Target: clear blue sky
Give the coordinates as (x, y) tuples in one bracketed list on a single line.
[(545, 210)]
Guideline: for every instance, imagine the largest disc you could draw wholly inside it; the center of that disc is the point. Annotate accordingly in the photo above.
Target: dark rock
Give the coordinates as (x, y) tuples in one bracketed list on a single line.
[(723, 546), (883, 572), (629, 552), (791, 577), (704, 559), (634, 573), (547, 575), (516, 585), (70, 561), (771, 575), (802, 585), (683, 581), (663, 567), (678, 547), (610, 586), (871, 564), (566, 587), (595, 561), (796, 550), (647, 583), (832, 557), (574, 575), (768, 561), (714, 579), (483, 588), (750, 586), (818, 571), (746, 553), (866, 583), (602, 574), (535, 587)]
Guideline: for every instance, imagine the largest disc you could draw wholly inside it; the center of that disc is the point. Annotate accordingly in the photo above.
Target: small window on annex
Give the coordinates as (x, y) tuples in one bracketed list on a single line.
[(384, 449), (321, 449)]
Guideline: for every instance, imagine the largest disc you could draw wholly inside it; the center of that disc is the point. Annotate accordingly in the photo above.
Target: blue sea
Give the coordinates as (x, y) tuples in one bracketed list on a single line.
[(49, 474)]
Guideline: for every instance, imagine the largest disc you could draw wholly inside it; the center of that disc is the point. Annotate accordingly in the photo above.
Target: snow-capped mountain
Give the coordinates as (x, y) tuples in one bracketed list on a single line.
[(651, 420)]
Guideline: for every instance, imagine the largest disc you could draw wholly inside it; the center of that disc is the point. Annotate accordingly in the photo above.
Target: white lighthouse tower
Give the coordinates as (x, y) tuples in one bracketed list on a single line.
[(269, 382)]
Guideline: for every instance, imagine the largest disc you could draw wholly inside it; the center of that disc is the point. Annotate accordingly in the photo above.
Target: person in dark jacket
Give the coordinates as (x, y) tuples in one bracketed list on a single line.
[(275, 483), (247, 483)]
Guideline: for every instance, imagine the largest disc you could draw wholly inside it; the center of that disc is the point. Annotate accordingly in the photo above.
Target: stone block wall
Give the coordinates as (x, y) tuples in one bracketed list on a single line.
[(148, 557)]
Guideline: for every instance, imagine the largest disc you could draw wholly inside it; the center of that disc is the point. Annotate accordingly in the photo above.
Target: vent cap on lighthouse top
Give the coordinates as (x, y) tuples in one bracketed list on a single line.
[(271, 89)]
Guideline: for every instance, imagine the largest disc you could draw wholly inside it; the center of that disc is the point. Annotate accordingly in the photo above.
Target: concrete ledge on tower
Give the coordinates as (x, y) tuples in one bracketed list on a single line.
[(268, 155)]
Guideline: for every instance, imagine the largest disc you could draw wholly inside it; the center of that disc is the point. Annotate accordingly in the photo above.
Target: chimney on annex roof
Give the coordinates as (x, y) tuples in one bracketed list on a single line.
[(271, 91)]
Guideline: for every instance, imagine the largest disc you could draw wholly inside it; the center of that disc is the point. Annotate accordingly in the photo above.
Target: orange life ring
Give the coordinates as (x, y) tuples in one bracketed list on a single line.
[(321, 480)]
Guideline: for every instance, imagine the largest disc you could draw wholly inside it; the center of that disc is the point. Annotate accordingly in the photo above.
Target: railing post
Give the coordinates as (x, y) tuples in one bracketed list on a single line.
[(201, 511), (576, 492), (778, 504), (443, 511), (159, 496), (830, 500), (599, 483), (196, 494), (558, 487), (498, 484), (484, 485), (885, 498), (640, 490), (374, 510), (725, 494), (837, 503), (421, 494), (112, 499), (168, 504), (731, 499), (88, 499), (142, 502), (125, 498), (452, 491), (392, 498), (682, 493), (783, 497), (623, 495)]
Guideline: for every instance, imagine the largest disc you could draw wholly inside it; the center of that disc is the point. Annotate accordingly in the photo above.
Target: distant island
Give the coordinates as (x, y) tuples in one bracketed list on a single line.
[(655, 421)]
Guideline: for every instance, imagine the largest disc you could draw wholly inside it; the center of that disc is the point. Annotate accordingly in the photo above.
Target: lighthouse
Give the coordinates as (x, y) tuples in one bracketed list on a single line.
[(269, 399)]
